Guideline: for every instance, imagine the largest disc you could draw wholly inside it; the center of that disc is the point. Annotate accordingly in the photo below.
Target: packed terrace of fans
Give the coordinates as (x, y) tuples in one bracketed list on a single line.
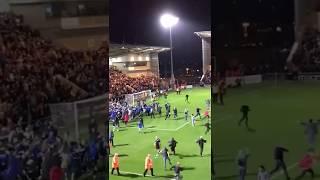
[(121, 84), (31, 148), (307, 57), (30, 65), (241, 70)]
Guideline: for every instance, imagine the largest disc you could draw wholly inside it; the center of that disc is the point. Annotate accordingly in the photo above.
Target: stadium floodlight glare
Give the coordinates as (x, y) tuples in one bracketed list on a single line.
[(168, 21)]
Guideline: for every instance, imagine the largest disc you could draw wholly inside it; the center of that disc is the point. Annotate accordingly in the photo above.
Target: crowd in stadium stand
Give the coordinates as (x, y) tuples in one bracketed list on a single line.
[(33, 73), (121, 84), (207, 77), (307, 57), (241, 70), (31, 65)]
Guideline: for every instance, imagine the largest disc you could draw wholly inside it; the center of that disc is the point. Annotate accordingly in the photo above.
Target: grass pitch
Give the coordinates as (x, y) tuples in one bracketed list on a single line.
[(276, 113), (133, 147)]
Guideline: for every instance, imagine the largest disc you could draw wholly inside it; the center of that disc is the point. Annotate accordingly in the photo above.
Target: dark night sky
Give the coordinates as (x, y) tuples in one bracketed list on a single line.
[(228, 16), (137, 22), (263, 11)]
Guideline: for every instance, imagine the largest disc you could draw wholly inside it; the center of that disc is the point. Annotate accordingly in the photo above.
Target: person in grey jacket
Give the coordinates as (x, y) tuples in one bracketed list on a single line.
[(242, 159), (311, 131)]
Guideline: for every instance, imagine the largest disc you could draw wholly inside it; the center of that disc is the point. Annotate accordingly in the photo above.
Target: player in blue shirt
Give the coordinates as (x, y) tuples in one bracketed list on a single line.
[(165, 156), (140, 125), (175, 113), (177, 171), (111, 136)]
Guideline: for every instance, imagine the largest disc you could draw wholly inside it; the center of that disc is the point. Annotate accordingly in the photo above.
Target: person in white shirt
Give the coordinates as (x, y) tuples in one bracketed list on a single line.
[(193, 119), (130, 114), (263, 173)]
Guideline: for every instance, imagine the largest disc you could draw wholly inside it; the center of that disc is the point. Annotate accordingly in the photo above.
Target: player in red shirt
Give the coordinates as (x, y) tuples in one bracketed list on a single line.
[(306, 164), (206, 114)]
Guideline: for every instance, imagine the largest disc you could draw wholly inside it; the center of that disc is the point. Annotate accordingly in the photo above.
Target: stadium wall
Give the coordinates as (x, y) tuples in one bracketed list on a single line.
[(252, 79), (305, 16), (34, 15), (150, 68), (76, 32), (4, 6), (309, 76), (82, 42)]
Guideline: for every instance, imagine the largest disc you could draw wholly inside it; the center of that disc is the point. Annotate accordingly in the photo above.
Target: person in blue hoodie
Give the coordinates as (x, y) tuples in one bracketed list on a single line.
[(3, 163), (14, 168), (111, 136), (93, 153)]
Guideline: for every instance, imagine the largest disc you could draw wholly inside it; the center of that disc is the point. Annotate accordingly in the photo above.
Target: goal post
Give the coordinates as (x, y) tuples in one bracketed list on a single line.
[(73, 118), (132, 99)]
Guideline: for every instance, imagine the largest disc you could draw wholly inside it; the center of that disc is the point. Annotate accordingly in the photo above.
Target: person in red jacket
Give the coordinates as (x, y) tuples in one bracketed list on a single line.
[(56, 172), (206, 114), (306, 164), (126, 118)]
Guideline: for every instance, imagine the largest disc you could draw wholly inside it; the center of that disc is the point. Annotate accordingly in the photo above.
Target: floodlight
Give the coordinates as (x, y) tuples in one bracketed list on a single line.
[(168, 20)]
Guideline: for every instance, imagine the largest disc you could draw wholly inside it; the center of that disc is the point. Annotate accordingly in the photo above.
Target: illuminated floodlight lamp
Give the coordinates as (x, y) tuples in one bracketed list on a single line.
[(168, 20)]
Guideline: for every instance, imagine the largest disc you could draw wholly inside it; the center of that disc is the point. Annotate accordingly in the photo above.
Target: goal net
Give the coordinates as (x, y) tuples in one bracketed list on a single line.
[(74, 118), (132, 99)]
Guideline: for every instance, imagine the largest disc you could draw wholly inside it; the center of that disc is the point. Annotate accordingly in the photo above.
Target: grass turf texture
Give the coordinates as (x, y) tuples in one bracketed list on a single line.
[(133, 147), (276, 113)]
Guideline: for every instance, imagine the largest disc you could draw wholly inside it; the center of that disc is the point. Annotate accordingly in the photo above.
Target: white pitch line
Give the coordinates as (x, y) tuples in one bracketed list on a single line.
[(288, 169), (183, 125), (159, 129), (127, 172)]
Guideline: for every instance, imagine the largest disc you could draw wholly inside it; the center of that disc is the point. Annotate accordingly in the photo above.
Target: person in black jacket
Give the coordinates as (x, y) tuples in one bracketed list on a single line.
[(278, 157), (207, 125), (201, 142), (172, 144), (157, 145), (245, 110), (111, 136), (187, 98)]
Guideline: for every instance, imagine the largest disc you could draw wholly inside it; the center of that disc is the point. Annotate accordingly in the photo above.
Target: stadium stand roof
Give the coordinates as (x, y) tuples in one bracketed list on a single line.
[(204, 34), (116, 50)]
